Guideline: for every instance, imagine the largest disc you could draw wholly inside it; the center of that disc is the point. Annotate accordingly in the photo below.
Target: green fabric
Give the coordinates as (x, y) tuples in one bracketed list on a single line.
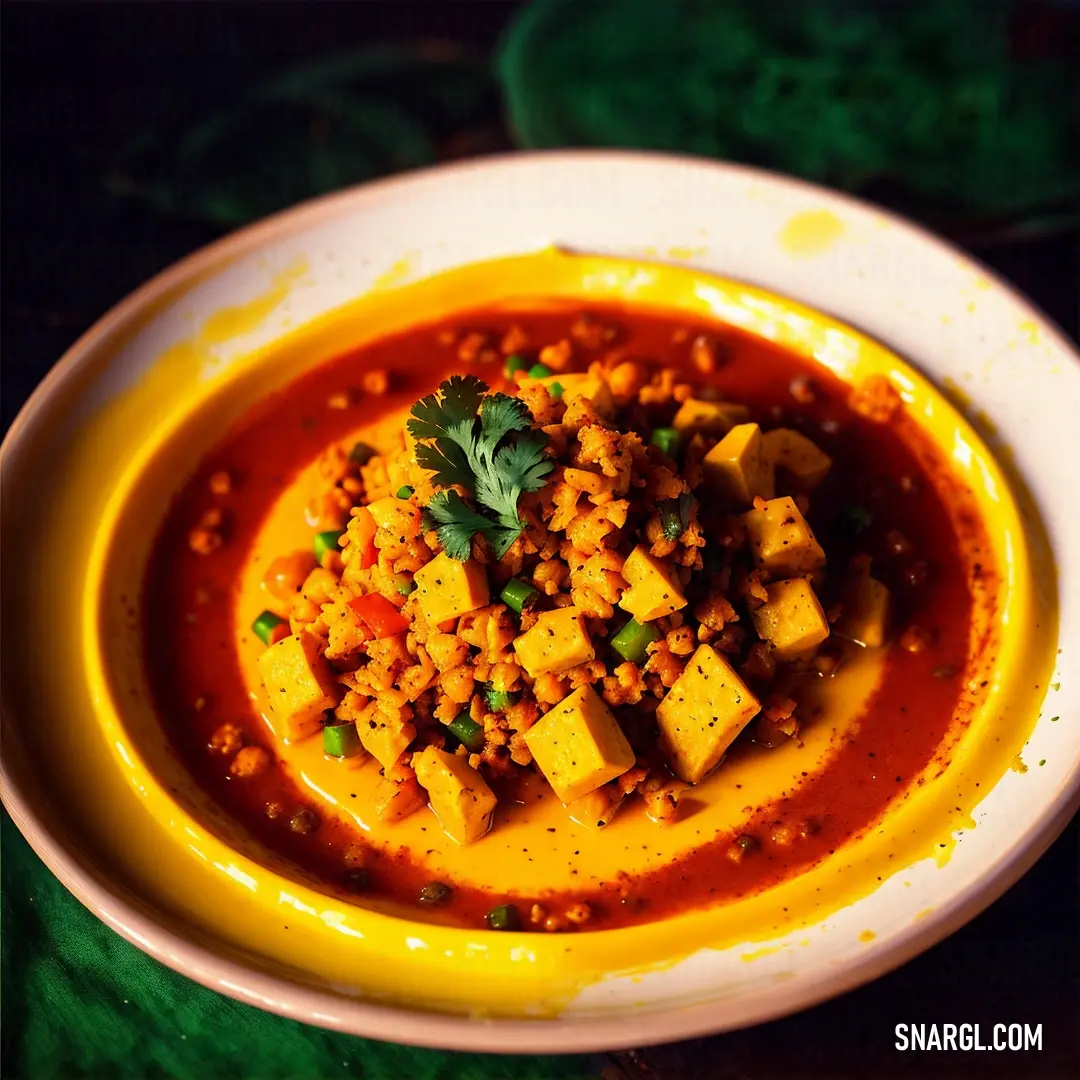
[(79, 1001), (921, 95)]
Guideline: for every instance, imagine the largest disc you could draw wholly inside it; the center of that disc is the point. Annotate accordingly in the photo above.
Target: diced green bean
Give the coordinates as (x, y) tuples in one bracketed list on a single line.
[(264, 626), (404, 584), (405, 492), (540, 371), (340, 740), (556, 390), (516, 362), (671, 523), (435, 893), (500, 699), (517, 593), (504, 917), (632, 641), (467, 732), (326, 541), (667, 439), (361, 453)]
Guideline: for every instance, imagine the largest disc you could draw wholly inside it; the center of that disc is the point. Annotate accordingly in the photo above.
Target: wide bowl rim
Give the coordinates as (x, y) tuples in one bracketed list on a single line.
[(452, 1032)]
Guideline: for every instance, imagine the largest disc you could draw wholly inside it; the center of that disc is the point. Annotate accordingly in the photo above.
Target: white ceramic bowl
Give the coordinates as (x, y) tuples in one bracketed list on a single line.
[(967, 331)]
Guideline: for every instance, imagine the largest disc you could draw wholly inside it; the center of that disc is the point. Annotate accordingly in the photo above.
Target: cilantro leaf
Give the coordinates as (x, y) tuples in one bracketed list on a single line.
[(484, 443), (450, 410), (448, 461)]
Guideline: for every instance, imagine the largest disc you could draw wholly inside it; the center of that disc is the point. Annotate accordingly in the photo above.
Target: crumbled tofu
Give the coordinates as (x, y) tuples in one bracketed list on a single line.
[(792, 619), (556, 642), (581, 384), (781, 540), (652, 589), (865, 611), (578, 745), (736, 467), (299, 683), (383, 735), (797, 455), (457, 793), (702, 713), (709, 417), (447, 588), (596, 809)]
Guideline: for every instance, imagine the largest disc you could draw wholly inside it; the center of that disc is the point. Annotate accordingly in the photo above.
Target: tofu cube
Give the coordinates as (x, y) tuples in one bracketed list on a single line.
[(397, 516), (556, 642), (709, 417), (780, 539), (736, 468), (797, 456), (299, 683), (864, 618), (456, 792), (383, 735), (702, 713), (578, 745), (596, 809), (447, 588), (792, 619), (652, 589)]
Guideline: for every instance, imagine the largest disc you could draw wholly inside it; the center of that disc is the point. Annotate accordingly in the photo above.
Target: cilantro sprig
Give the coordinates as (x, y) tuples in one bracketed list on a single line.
[(485, 444)]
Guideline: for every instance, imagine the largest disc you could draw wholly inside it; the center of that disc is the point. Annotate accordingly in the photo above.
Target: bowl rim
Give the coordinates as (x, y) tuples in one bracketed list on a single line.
[(399, 1024)]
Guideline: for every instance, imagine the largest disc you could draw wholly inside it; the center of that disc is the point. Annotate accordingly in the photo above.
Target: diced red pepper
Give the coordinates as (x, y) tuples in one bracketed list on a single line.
[(379, 615), (365, 537)]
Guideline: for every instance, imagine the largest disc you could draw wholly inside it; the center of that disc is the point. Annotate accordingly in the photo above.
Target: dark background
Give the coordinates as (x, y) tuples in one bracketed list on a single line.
[(78, 80)]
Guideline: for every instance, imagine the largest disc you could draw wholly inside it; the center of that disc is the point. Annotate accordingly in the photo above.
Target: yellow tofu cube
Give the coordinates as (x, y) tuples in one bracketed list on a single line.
[(397, 516), (864, 618), (384, 736), (457, 794), (796, 455), (792, 619), (780, 539), (578, 745), (556, 642), (736, 468), (709, 417), (447, 588), (299, 683), (652, 589), (702, 713)]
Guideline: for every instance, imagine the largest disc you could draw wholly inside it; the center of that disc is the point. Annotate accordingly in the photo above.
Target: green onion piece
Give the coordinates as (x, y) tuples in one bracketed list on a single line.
[(517, 594), (632, 641), (404, 492), (326, 541), (361, 453), (540, 371), (435, 893), (404, 583), (467, 732), (667, 439), (671, 523), (264, 625), (556, 390), (504, 917), (340, 740), (516, 362), (500, 699)]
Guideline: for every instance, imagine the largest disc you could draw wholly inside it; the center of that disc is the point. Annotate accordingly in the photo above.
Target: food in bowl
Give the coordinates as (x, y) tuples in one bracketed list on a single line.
[(599, 562)]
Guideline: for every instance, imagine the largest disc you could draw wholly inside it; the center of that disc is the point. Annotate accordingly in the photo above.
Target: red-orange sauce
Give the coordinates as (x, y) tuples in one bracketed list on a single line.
[(890, 470)]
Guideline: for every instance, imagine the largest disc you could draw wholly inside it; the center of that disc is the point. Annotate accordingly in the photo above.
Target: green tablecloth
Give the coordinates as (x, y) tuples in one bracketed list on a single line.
[(79, 1001)]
